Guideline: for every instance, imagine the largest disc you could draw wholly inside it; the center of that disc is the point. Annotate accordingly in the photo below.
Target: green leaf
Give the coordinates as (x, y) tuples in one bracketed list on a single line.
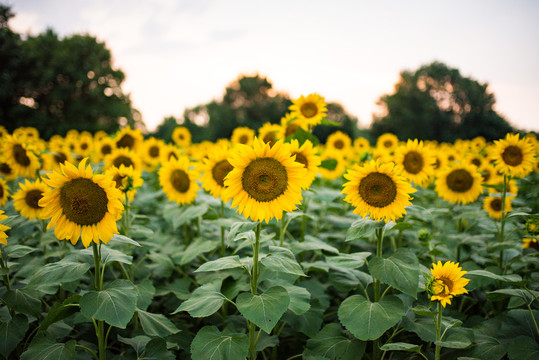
[(369, 320), (109, 255), (11, 333), (523, 348), (22, 300), (513, 279), (363, 229), (45, 348), (138, 343), (124, 240), (331, 343), (57, 273), (401, 271), (503, 294), (198, 247), (283, 260), (266, 309), (455, 341), (156, 324), (299, 298), (329, 164), (204, 301), (301, 135), (146, 292), (18, 251), (400, 346), (189, 213), (211, 344), (156, 348), (488, 348), (311, 243), (115, 305), (238, 228), (397, 226), (423, 311), (139, 231), (349, 261), (228, 262), (60, 311)]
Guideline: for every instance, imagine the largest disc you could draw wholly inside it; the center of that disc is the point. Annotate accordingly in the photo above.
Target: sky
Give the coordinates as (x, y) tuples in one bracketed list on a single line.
[(178, 54)]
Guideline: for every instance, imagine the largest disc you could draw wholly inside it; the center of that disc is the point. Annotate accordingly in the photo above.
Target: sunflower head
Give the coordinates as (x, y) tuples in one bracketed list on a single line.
[(387, 142), (339, 142), (532, 225), (215, 167), (125, 157), (460, 184), (181, 136), (527, 243), (4, 192), (3, 228), (493, 205), (416, 161), (309, 110), (128, 138), (289, 126), (125, 179), (307, 155), (179, 181), (20, 157), (446, 282), (26, 199), (269, 133), (242, 135), (514, 156)]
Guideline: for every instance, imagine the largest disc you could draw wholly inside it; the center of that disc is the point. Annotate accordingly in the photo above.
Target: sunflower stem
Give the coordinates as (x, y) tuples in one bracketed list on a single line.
[(98, 284), (282, 230), (6, 277), (222, 214), (438, 331), (502, 220), (254, 286), (379, 242)]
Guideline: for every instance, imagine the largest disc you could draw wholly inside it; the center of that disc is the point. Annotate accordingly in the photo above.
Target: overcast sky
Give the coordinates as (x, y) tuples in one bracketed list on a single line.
[(178, 53)]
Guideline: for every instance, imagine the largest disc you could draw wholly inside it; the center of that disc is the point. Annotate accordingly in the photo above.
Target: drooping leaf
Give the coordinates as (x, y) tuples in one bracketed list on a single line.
[(228, 262), (45, 348), (211, 344), (18, 251), (401, 271), (156, 324), (266, 309), (24, 301), (204, 301), (57, 273), (124, 240), (363, 229), (400, 346), (198, 247), (189, 213), (109, 255), (146, 292), (11, 333), (349, 261), (282, 260), (59, 311), (331, 343)]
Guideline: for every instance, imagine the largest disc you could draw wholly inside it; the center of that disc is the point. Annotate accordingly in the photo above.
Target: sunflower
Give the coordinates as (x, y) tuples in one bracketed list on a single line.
[(377, 190), (178, 181), (475, 159), (306, 154), (265, 180), (125, 179), (81, 204), (494, 206), (460, 183), (289, 126), (242, 135), (215, 167), (85, 144), (102, 148), (269, 133), (488, 172), (446, 281), (128, 138), (528, 243), (169, 152), (58, 154), (333, 165), (6, 171), (339, 142), (3, 132), (309, 110), (361, 144), (151, 152), (416, 161), (99, 135), (387, 142), (181, 136), (123, 156), (3, 228), (512, 187), (514, 157), (22, 160), (440, 161), (26, 199), (4, 192)]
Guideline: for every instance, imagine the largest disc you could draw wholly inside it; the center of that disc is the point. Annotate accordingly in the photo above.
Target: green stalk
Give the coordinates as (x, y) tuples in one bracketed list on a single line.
[(379, 242), (254, 286), (98, 284), (303, 221), (282, 230), (502, 219), (438, 331), (222, 229), (6, 277)]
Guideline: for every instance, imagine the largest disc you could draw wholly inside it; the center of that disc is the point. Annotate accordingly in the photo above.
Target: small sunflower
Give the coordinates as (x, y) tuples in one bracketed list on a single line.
[(102, 148), (178, 181), (81, 204), (265, 180), (85, 144), (4, 192), (99, 135), (514, 156), (416, 161), (377, 190), (125, 179), (58, 154), (289, 126), (6, 171), (387, 142), (493, 205), (309, 110), (475, 159), (215, 167), (242, 135), (3, 228), (170, 152), (460, 183), (446, 282), (527, 243), (361, 144), (269, 133), (339, 142), (123, 156), (26, 199), (128, 138), (478, 143), (307, 155), (488, 172), (181, 136), (151, 152), (22, 160)]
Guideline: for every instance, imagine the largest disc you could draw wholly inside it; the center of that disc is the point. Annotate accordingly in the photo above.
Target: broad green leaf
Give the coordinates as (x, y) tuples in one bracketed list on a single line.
[(401, 271), (349, 261), (188, 213), (266, 309), (363, 229), (198, 247), (523, 348), (422, 326), (301, 135), (311, 243), (138, 343), (455, 341), (115, 304), (162, 265), (156, 324), (488, 348), (211, 344), (238, 228), (57, 273), (513, 279), (400, 346), (45, 348), (109, 254), (124, 240), (329, 164), (139, 231), (11, 333), (282, 260), (156, 348), (23, 300), (228, 262), (18, 251), (204, 301), (146, 292), (369, 320), (331, 343), (423, 311), (60, 311), (397, 226), (503, 294), (266, 341), (299, 298)]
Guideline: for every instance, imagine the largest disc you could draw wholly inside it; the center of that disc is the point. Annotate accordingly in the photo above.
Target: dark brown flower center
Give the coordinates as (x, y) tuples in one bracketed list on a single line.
[(106, 149), (32, 198), (180, 180), (220, 170), (269, 138), (496, 204), (83, 201), (244, 139), (300, 158), (388, 144), (338, 144), (512, 155), (476, 162), (309, 110), (413, 162), (443, 286), (459, 180), (377, 189), (154, 151), (291, 129), (1, 191), (118, 179), (60, 158), (84, 146), (126, 141), (20, 155), (265, 179), (122, 160), (5, 168)]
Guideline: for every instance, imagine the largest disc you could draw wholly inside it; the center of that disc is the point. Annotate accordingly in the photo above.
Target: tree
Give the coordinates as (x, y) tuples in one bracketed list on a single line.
[(437, 103), (337, 114), (60, 84)]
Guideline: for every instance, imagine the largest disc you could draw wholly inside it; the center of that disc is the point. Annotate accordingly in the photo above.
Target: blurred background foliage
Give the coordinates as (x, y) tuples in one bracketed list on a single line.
[(56, 84)]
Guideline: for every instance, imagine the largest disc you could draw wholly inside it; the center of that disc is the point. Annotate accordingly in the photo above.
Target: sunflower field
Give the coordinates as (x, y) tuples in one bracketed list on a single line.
[(268, 245)]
